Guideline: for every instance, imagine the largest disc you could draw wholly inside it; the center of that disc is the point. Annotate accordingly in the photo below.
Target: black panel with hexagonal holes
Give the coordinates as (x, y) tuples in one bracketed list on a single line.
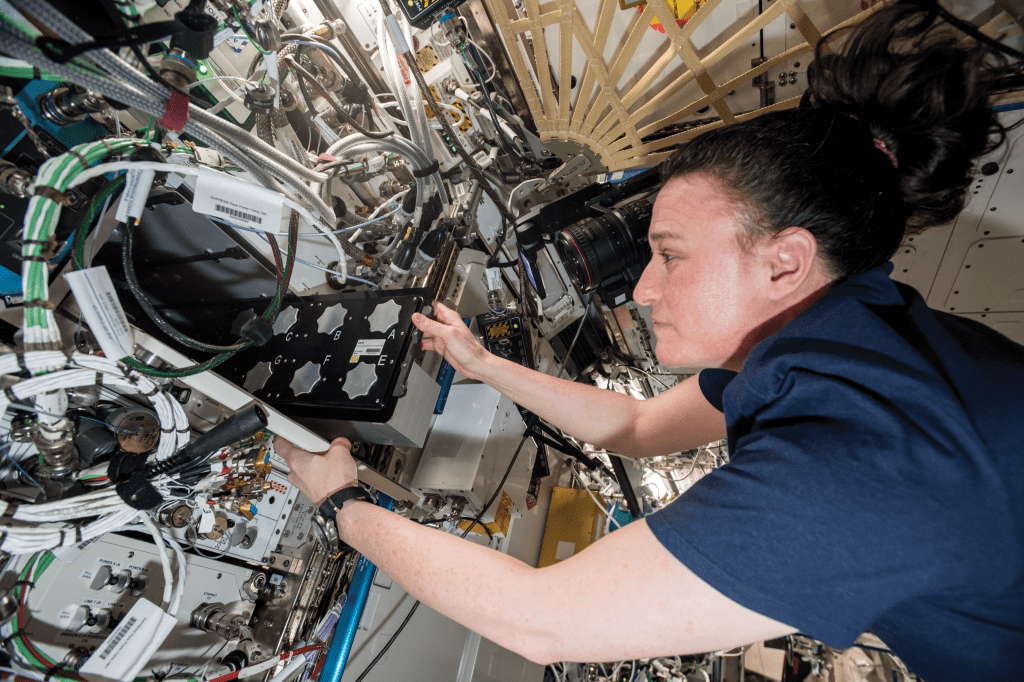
[(332, 357)]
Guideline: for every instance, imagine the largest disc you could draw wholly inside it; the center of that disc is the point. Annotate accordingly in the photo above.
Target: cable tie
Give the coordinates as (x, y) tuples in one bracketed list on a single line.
[(107, 145), (10, 398), (60, 667), (175, 113), (81, 159), (24, 634), (51, 193), (35, 242), (78, 534), (21, 361), (428, 171), (38, 303), (36, 259), (31, 585), (8, 513), (167, 430)]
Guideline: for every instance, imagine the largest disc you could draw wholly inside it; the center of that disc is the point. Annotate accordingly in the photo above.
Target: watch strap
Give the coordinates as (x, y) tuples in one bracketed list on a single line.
[(336, 500)]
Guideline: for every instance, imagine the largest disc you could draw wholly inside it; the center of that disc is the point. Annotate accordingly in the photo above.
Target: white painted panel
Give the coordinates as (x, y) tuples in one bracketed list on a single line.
[(991, 278)]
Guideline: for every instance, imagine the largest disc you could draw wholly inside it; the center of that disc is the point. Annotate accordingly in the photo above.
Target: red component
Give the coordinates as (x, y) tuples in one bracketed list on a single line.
[(326, 158), (175, 113)]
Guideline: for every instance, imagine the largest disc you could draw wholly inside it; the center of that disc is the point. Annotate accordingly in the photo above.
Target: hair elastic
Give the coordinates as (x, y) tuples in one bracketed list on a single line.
[(880, 146)]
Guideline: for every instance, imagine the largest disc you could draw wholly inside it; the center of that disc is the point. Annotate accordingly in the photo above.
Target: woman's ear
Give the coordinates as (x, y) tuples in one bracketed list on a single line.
[(791, 257)]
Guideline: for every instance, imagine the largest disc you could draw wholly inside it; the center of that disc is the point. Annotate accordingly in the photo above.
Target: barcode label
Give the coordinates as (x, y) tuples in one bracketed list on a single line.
[(239, 202), (118, 636), (118, 657), (102, 310), (238, 214)]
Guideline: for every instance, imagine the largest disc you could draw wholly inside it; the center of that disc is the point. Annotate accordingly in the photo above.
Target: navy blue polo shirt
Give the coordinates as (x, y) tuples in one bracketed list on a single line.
[(876, 483)]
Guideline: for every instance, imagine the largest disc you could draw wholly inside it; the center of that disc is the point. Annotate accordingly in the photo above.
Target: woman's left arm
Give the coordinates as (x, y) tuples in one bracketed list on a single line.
[(624, 597)]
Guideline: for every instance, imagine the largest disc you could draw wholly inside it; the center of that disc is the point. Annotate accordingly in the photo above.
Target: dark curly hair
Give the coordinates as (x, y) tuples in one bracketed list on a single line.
[(882, 145)]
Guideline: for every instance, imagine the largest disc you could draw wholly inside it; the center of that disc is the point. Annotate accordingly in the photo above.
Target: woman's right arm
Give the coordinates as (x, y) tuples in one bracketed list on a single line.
[(678, 419)]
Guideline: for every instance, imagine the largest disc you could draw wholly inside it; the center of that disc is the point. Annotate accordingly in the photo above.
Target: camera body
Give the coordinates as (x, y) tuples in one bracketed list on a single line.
[(609, 253), (601, 241)]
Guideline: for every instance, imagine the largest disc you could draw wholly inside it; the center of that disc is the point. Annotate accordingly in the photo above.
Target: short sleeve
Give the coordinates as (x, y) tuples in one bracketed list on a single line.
[(832, 510), (713, 383)]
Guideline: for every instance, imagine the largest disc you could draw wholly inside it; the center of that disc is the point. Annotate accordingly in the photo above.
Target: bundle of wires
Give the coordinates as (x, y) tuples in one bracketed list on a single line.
[(53, 179), (83, 370), (108, 75)]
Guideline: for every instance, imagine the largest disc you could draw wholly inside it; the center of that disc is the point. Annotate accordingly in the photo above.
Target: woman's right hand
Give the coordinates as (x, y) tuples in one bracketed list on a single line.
[(448, 335)]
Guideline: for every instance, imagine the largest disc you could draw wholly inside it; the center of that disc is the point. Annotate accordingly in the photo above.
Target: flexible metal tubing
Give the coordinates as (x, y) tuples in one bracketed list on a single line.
[(70, 31), (18, 45), (358, 144), (242, 137)]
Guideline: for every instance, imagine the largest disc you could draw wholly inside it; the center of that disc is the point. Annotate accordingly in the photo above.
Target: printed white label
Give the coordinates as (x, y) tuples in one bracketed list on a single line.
[(207, 519), (493, 279), (564, 550), (96, 297), (369, 347), (237, 201), (143, 628), (133, 184)]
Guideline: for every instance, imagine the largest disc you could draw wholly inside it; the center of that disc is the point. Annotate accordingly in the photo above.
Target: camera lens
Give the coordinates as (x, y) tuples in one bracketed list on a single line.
[(605, 247)]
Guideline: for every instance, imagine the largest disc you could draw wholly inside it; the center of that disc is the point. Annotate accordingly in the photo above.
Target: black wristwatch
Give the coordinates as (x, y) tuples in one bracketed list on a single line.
[(335, 501)]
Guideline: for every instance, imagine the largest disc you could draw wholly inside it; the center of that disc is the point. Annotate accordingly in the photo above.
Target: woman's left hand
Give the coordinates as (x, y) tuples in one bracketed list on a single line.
[(319, 475)]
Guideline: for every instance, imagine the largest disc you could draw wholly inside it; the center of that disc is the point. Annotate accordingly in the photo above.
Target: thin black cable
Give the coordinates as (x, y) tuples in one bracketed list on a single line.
[(508, 146), (304, 73), (326, 47), (151, 312), (760, 11), (223, 357)]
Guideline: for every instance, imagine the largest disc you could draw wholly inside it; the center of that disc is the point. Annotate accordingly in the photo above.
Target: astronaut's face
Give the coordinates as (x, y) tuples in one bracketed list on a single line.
[(705, 285)]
